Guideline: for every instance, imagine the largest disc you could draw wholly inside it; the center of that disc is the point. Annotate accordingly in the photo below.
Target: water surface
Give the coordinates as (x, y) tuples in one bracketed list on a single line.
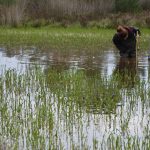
[(73, 99)]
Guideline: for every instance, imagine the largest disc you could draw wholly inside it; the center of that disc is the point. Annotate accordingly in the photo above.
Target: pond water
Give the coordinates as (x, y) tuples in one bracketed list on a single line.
[(73, 100)]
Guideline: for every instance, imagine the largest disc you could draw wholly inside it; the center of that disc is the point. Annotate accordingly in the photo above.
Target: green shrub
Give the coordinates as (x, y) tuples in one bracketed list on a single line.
[(7, 2), (127, 5)]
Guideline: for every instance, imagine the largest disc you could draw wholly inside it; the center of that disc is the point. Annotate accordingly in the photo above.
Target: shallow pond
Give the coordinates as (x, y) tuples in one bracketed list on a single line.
[(73, 100)]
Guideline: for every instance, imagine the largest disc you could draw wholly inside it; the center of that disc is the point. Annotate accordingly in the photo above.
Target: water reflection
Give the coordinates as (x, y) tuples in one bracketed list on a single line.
[(127, 70), (105, 63), (80, 91)]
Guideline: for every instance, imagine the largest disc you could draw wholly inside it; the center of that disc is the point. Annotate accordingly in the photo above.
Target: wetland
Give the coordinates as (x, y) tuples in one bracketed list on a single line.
[(69, 89)]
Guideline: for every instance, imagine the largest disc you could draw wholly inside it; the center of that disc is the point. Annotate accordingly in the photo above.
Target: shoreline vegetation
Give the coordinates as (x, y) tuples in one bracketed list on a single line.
[(70, 24), (58, 91), (56, 37), (42, 12), (111, 20)]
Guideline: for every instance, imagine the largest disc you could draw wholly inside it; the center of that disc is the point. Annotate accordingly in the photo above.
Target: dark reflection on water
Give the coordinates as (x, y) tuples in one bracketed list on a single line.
[(127, 69)]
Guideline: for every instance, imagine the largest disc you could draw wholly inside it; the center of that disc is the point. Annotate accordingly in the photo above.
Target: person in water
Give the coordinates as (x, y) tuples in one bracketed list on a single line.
[(125, 40)]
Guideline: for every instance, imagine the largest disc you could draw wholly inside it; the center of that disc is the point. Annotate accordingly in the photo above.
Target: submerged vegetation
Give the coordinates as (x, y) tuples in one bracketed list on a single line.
[(56, 94), (51, 109)]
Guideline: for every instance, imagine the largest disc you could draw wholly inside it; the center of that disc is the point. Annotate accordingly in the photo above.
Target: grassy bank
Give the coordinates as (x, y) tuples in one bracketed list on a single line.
[(56, 37)]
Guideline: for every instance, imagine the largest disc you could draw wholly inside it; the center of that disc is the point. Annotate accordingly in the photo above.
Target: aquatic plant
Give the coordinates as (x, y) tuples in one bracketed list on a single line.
[(51, 108)]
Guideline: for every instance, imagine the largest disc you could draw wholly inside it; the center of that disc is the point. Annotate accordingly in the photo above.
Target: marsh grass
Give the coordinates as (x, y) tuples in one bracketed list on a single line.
[(56, 37), (47, 109), (72, 38), (25, 111), (56, 108)]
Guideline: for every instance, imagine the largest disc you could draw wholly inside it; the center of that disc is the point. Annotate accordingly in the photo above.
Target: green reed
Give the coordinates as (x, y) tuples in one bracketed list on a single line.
[(73, 37), (25, 111), (69, 109)]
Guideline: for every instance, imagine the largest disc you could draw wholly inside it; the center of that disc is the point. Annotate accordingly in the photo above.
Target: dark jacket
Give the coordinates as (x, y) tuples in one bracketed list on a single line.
[(127, 47)]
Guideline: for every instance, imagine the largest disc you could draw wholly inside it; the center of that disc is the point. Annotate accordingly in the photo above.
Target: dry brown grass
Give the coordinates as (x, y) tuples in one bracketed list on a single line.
[(59, 8), (69, 11), (145, 4), (13, 14)]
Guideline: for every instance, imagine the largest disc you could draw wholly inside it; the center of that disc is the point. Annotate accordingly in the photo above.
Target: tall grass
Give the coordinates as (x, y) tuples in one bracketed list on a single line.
[(19, 11), (70, 109), (12, 13), (66, 8), (127, 5), (145, 4), (59, 38)]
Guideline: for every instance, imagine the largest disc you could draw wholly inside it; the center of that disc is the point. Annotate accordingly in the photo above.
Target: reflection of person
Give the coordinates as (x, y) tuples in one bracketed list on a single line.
[(125, 40), (127, 70)]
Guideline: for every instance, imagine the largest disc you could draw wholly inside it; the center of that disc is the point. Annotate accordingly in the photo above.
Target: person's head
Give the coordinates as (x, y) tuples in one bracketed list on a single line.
[(122, 31)]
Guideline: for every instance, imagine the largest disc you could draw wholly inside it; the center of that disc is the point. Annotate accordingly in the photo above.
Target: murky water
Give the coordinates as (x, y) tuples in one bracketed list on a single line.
[(104, 62), (77, 123)]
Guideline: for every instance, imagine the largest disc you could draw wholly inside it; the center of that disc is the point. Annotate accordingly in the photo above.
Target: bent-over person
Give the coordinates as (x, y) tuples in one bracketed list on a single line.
[(125, 40)]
